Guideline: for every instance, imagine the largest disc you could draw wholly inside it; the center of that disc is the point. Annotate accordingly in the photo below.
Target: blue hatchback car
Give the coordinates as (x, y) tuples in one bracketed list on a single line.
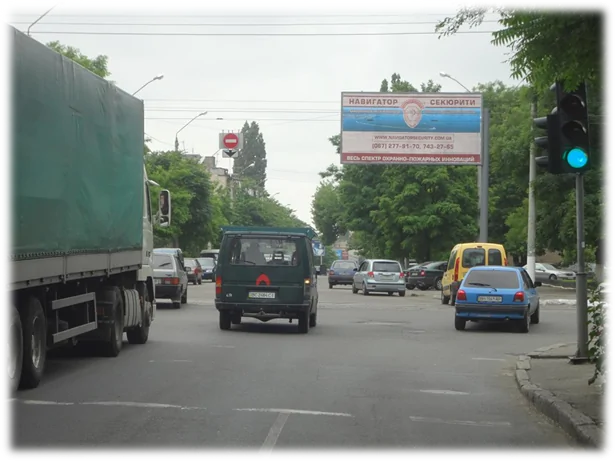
[(497, 293)]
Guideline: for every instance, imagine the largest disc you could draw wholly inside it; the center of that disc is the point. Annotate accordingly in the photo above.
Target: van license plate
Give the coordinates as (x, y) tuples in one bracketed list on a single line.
[(488, 298), (261, 295)]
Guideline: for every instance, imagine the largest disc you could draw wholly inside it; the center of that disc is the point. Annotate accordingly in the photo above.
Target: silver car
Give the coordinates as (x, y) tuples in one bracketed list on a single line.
[(546, 272), (171, 280), (379, 276)]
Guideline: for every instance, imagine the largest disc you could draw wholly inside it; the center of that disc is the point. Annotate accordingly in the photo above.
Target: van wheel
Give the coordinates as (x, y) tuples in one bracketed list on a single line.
[(444, 299), (34, 328), (16, 345), (304, 321), (313, 320), (452, 302), (236, 319), (224, 320), (438, 284)]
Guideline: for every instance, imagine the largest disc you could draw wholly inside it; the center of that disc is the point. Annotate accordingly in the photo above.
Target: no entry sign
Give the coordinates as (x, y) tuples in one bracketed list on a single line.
[(230, 140)]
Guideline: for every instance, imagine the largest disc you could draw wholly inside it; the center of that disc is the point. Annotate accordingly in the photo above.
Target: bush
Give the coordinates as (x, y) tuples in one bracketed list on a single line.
[(596, 334)]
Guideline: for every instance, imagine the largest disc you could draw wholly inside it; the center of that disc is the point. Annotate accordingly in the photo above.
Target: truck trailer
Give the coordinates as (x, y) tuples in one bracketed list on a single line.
[(82, 221)]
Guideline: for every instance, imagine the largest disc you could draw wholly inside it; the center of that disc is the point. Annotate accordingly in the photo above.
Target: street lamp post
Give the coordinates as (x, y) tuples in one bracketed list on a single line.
[(177, 143), (483, 171), (158, 77), (39, 18), (234, 177)]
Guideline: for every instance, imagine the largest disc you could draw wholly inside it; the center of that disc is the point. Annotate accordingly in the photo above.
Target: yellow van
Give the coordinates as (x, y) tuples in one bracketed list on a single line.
[(463, 257)]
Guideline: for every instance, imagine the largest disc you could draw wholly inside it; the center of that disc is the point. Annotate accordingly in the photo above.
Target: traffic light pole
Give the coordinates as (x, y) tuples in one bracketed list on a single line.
[(580, 279), (485, 177), (532, 216)]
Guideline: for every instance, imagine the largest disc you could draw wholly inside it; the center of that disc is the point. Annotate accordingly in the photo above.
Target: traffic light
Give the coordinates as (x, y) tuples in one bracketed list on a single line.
[(574, 129), (567, 141)]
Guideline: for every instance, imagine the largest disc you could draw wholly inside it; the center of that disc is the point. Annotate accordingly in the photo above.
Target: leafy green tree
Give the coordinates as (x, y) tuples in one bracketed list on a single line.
[(544, 46), (251, 162), (326, 212), (97, 65), (192, 224)]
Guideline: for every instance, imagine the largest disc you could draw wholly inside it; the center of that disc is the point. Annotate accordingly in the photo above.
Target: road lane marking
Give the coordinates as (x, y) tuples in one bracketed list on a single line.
[(171, 360), (459, 422), (274, 432), (488, 359), (113, 403), (295, 411), (445, 392)]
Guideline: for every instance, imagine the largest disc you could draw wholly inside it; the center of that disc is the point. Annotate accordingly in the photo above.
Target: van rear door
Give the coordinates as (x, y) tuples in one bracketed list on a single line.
[(262, 269)]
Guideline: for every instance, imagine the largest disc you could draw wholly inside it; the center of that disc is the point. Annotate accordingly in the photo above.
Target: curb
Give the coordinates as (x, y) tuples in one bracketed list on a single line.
[(575, 423)]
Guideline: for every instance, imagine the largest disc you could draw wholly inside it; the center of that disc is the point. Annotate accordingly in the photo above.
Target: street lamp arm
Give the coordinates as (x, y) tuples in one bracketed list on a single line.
[(189, 122), (158, 77), (459, 83), (39, 18)]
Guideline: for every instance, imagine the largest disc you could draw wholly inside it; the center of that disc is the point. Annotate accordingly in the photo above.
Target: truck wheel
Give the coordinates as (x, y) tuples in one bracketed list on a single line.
[(34, 328), (139, 335), (313, 320), (303, 322), (224, 320), (112, 347), (16, 349), (185, 296)]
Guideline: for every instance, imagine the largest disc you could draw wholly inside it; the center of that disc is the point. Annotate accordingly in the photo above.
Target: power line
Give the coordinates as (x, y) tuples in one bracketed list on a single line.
[(244, 118), (340, 15), (250, 110), (260, 34), (238, 24), (244, 100)]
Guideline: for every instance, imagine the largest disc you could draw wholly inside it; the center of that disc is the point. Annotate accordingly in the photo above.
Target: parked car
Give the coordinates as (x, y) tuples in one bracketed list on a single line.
[(497, 293), (208, 265), (341, 273), (170, 278), (465, 256), (379, 276), (427, 275), (194, 270), (407, 273), (546, 272)]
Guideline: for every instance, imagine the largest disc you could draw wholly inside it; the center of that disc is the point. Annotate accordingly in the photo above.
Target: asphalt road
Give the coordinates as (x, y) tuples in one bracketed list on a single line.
[(377, 371)]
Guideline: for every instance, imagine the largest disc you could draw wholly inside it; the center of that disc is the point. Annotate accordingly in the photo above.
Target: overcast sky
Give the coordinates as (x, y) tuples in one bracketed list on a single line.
[(290, 85)]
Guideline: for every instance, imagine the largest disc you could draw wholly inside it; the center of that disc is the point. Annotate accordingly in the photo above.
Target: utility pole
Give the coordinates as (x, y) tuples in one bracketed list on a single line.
[(580, 277), (532, 214), (485, 177)]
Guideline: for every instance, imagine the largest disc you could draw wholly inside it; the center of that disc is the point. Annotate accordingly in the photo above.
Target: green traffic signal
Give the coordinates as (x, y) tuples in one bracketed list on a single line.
[(576, 158)]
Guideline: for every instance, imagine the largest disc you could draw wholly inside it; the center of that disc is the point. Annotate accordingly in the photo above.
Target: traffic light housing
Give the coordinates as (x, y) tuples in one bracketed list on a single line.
[(574, 129), (567, 138)]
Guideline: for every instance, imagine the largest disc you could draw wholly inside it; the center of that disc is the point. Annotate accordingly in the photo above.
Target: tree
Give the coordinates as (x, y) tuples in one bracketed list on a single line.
[(193, 222), (326, 212), (545, 46), (97, 65), (251, 161)]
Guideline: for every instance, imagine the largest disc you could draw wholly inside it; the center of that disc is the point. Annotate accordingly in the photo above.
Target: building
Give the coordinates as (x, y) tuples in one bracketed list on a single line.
[(219, 175)]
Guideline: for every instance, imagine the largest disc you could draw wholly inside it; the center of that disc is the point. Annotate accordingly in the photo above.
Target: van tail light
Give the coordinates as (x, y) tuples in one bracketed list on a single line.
[(461, 295), (456, 271), (218, 285), (371, 274), (518, 297)]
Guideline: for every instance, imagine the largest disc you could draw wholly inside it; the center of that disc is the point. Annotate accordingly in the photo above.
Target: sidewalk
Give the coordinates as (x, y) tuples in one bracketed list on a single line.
[(560, 390)]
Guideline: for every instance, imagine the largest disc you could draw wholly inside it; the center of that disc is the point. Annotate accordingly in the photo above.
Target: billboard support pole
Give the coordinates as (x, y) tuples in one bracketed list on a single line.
[(485, 176)]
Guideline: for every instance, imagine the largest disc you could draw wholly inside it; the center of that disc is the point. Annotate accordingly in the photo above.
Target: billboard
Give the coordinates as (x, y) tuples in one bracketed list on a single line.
[(411, 128), (318, 249)]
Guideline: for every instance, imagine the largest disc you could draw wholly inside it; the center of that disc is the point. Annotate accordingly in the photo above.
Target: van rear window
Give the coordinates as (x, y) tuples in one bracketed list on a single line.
[(473, 257), (264, 251)]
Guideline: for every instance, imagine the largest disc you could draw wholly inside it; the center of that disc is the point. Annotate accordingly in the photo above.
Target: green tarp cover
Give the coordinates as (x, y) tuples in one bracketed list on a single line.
[(309, 232), (77, 158)]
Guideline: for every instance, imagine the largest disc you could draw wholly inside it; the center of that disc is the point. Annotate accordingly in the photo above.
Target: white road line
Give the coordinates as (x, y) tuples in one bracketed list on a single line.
[(445, 392), (221, 346), (274, 433), (295, 411), (459, 422), (171, 360), (114, 403), (488, 359)]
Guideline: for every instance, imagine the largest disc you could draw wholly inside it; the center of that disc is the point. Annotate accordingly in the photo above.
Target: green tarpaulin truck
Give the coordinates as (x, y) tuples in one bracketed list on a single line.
[(82, 222)]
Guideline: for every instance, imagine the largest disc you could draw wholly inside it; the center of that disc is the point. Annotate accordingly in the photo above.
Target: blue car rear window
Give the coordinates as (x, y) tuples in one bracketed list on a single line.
[(490, 278), (343, 265)]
